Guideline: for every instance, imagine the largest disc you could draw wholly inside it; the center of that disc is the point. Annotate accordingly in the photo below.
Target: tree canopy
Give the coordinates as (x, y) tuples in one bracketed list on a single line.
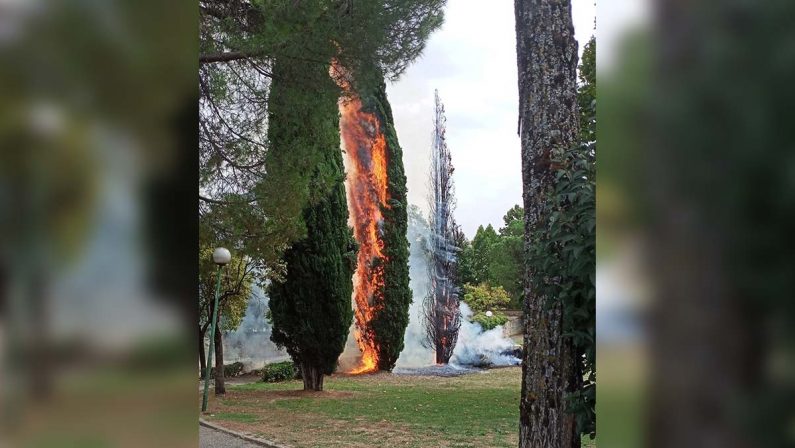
[(240, 40)]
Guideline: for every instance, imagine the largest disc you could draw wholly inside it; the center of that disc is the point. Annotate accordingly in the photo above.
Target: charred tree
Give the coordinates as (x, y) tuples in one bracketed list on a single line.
[(548, 119), (441, 307), (311, 308)]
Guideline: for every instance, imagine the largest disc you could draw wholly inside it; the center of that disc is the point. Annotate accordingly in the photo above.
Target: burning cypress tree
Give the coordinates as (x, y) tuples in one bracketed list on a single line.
[(377, 193), (441, 307), (393, 317), (311, 309)]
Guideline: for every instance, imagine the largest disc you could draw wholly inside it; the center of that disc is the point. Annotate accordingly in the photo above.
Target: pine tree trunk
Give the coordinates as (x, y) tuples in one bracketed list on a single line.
[(220, 388), (547, 66), (313, 377), (202, 355)]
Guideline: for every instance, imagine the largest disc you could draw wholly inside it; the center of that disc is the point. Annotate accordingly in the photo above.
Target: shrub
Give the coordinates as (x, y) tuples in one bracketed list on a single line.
[(230, 370), (484, 297), (280, 371), (486, 322)]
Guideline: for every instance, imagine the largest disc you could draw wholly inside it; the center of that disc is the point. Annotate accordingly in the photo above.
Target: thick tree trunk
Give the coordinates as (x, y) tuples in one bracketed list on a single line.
[(202, 355), (313, 377), (220, 388), (547, 64)]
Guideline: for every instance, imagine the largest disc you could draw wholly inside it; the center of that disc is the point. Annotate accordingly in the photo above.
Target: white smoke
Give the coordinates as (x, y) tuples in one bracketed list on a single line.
[(251, 342), (478, 347), (474, 346), (414, 354)]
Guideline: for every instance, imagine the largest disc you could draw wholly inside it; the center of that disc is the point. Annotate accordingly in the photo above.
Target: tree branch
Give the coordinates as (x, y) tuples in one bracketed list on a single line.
[(209, 58)]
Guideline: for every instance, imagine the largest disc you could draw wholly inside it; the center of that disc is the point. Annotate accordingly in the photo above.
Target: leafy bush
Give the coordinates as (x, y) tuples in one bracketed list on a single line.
[(486, 322), (484, 297), (562, 255), (230, 370), (280, 371)]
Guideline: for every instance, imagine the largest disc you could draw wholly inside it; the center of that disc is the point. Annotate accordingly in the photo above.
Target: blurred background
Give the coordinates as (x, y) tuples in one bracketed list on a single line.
[(696, 182), (98, 138)]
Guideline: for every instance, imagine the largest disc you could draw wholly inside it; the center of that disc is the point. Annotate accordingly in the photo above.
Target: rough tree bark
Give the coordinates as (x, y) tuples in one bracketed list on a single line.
[(312, 376), (220, 387), (548, 118)]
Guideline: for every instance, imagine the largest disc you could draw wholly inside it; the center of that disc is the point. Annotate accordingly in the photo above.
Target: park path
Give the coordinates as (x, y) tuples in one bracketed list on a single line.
[(211, 438)]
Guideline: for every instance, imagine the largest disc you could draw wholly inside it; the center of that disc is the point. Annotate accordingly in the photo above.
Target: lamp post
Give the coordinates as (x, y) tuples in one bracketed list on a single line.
[(221, 257)]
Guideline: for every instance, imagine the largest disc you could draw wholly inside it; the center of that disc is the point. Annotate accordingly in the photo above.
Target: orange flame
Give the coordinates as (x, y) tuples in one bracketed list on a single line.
[(366, 186)]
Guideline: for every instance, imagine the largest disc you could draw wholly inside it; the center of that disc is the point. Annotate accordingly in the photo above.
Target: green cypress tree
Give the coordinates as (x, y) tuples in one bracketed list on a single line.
[(311, 309), (392, 313)]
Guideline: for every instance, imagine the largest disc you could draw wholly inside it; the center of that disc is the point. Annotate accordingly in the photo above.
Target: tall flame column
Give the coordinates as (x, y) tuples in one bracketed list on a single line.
[(376, 188)]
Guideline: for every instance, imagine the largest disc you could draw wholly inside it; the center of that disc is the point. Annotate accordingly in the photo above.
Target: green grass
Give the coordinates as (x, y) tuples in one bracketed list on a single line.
[(479, 410), (444, 408)]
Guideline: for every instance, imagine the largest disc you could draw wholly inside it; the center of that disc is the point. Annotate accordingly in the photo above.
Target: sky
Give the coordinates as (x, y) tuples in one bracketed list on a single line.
[(471, 60)]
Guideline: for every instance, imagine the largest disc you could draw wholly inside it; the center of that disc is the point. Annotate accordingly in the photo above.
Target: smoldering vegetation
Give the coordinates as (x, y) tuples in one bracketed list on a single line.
[(474, 348)]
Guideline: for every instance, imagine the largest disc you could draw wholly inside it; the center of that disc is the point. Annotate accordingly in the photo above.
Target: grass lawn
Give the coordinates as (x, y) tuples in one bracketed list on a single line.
[(381, 410)]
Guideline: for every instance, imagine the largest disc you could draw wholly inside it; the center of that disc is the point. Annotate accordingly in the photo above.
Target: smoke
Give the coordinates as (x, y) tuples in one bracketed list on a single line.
[(251, 343), (414, 354), (475, 347)]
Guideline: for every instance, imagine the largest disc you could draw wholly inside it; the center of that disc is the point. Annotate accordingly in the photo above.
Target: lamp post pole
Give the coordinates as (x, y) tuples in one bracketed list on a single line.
[(221, 257)]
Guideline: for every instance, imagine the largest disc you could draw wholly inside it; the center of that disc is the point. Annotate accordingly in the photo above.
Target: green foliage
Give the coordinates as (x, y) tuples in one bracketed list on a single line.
[(230, 370), (495, 258), (507, 267), (562, 258), (237, 278), (482, 298), (484, 247), (487, 323), (586, 92), (562, 251), (311, 309), (280, 371), (392, 307), (245, 207), (396, 31)]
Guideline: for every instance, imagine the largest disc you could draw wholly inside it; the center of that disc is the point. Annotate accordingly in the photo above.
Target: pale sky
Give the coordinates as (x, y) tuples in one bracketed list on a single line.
[(471, 60)]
